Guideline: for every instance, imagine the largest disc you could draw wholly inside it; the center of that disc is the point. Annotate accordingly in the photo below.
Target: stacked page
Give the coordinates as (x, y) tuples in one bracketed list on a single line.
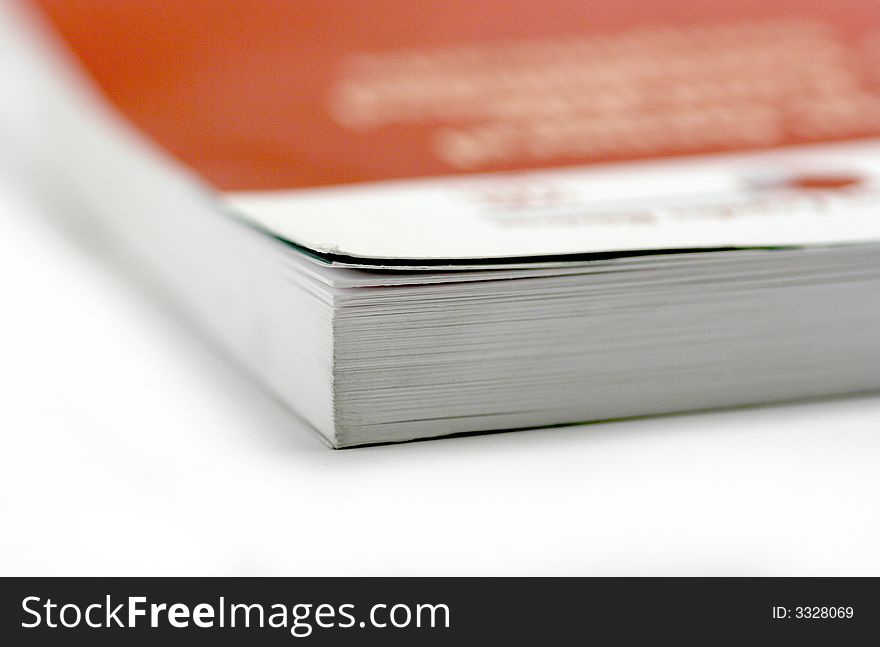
[(439, 353), (452, 223)]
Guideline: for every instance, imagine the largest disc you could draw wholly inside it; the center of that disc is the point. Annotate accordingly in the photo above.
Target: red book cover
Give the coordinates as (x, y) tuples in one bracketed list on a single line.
[(275, 94)]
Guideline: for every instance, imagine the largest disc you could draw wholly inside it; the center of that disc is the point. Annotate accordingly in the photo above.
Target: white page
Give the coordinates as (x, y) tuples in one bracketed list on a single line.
[(733, 200)]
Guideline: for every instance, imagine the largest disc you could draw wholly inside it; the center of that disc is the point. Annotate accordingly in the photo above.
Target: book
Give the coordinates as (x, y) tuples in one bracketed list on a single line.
[(412, 220)]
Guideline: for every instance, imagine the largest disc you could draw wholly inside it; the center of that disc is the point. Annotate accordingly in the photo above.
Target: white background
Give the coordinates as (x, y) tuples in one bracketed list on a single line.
[(129, 447)]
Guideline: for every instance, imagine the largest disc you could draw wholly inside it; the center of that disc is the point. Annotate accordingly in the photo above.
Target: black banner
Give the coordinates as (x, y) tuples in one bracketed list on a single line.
[(280, 611)]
